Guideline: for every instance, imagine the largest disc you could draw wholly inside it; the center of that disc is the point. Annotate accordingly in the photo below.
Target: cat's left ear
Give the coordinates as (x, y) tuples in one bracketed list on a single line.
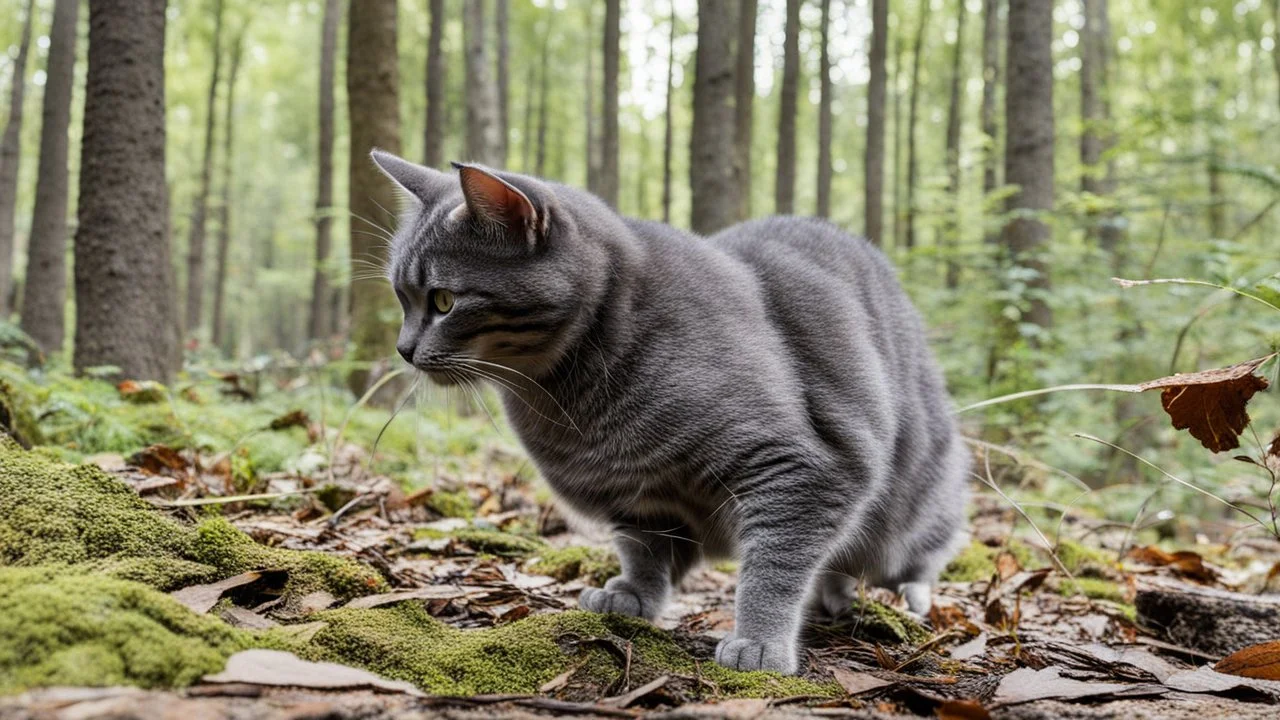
[(419, 183), (497, 202)]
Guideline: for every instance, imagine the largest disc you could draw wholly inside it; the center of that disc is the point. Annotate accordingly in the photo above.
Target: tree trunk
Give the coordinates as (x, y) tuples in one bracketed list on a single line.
[(526, 134), (10, 156), (953, 149), (483, 145), (711, 153), (199, 213), (224, 207), (873, 168), (990, 86), (1214, 621), (744, 100), (898, 215), (668, 125), (373, 105), (540, 163), (433, 148), (1029, 156), (125, 314), (502, 13), (609, 134), (592, 144), (1217, 200), (1095, 109), (44, 297), (784, 192), (320, 323), (913, 162), (824, 116)]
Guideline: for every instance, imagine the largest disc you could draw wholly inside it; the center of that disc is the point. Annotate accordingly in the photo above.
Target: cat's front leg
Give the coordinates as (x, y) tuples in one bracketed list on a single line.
[(784, 544), (653, 560)]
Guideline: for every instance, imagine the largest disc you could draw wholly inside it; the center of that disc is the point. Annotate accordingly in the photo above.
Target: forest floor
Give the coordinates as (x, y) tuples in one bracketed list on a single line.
[(459, 595)]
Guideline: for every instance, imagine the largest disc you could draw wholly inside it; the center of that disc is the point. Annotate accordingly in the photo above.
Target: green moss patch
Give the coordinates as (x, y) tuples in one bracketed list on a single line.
[(977, 562), (1076, 557), (452, 504), (878, 622), (1094, 588), (493, 542), (594, 565)]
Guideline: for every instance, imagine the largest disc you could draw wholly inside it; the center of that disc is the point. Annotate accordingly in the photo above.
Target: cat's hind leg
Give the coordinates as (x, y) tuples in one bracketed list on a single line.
[(653, 559)]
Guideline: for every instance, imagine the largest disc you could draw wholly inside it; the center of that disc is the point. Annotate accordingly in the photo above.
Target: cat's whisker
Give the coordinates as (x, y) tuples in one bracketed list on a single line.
[(404, 400), (515, 391), (479, 398), (533, 382)]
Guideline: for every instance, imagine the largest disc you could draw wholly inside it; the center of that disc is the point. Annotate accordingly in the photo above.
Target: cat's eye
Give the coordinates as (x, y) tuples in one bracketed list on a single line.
[(442, 300)]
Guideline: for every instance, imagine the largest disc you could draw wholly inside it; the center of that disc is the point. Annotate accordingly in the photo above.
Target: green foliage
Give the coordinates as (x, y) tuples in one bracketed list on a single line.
[(594, 565)]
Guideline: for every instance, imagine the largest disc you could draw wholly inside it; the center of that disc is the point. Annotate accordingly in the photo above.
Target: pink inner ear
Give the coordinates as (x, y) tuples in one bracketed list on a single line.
[(493, 199)]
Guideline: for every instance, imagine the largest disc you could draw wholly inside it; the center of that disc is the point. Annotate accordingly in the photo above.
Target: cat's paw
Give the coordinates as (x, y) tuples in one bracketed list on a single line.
[(747, 654), (621, 601)]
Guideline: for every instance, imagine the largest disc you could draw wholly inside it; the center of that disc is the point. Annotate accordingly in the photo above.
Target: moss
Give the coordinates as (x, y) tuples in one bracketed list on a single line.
[(452, 504), (1076, 557), (977, 562), (594, 565), (493, 542), (405, 643), (63, 628), (1093, 588), (16, 419), (878, 622), (73, 515)]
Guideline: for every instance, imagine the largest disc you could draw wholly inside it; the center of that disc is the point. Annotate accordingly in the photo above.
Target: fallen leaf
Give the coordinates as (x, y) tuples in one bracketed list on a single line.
[(297, 418), (430, 592), (942, 617), (736, 709), (142, 392), (1211, 404), (1183, 562), (245, 618), (622, 701), (1205, 679), (202, 598), (160, 460), (971, 649), (1025, 685), (276, 668), (856, 683), (561, 680), (962, 710), (1154, 665), (1007, 565), (302, 632), (315, 602), (1257, 661)]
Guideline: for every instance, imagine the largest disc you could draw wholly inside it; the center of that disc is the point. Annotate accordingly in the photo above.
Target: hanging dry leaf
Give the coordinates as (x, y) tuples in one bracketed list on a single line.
[(1211, 404), (1257, 661)]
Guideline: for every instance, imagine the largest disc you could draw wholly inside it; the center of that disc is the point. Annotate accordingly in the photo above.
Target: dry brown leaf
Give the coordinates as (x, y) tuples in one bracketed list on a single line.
[(430, 592), (1025, 685), (296, 418), (202, 598), (962, 710), (275, 668), (1211, 404), (1256, 661), (856, 683), (1183, 562), (942, 617), (1007, 565), (160, 460)]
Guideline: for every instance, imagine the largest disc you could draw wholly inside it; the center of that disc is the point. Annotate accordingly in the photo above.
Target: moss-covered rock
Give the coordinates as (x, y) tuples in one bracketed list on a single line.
[(877, 622), (452, 504), (66, 628), (16, 418), (978, 562), (594, 565), (1095, 588), (493, 542)]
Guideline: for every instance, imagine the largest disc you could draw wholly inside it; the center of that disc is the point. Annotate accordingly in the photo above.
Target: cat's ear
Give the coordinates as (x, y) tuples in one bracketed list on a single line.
[(421, 184), (495, 201)]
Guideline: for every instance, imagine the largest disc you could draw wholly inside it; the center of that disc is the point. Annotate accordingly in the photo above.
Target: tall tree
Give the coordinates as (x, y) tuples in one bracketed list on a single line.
[(913, 161), (319, 322), (899, 216), (1029, 156), (744, 99), (10, 156), (711, 155), (609, 133), (224, 204), (873, 181), (667, 121), (990, 86), (373, 106), (530, 102), (482, 98), (784, 192), (123, 203), (502, 22), (1095, 111), (540, 162), (44, 296), (954, 112), (433, 152), (824, 115), (200, 209), (593, 146)]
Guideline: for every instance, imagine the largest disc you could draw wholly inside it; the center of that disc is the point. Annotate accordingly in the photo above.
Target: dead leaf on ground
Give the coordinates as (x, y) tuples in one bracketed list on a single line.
[(1025, 685), (1211, 404), (1183, 562), (246, 618), (856, 683), (1007, 565), (430, 592), (142, 392), (962, 710), (276, 668), (296, 418), (627, 700), (202, 598), (160, 460), (1205, 679), (1257, 661), (971, 649)]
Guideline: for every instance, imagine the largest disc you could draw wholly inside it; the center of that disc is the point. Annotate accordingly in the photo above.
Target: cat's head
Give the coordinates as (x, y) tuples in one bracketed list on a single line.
[(494, 276)]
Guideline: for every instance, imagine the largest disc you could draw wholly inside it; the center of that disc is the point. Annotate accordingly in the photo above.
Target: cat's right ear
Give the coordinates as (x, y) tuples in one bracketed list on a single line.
[(421, 184)]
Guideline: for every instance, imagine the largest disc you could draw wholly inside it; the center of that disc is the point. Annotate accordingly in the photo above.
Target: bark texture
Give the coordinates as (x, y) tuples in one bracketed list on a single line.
[(824, 115), (44, 296), (224, 205), (711, 153), (9, 159), (1029, 148), (784, 193), (373, 83), (873, 166), (483, 144), (913, 105), (954, 112), (744, 101), (609, 130), (1214, 621), (1095, 108), (990, 89), (433, 153), (319, 322), (125, 311)]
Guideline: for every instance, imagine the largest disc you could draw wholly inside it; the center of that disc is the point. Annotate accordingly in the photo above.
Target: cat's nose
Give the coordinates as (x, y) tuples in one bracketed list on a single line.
[(406, 351)]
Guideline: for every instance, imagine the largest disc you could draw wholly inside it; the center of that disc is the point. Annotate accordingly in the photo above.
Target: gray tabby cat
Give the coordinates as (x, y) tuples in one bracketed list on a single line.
[(766, 392)]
